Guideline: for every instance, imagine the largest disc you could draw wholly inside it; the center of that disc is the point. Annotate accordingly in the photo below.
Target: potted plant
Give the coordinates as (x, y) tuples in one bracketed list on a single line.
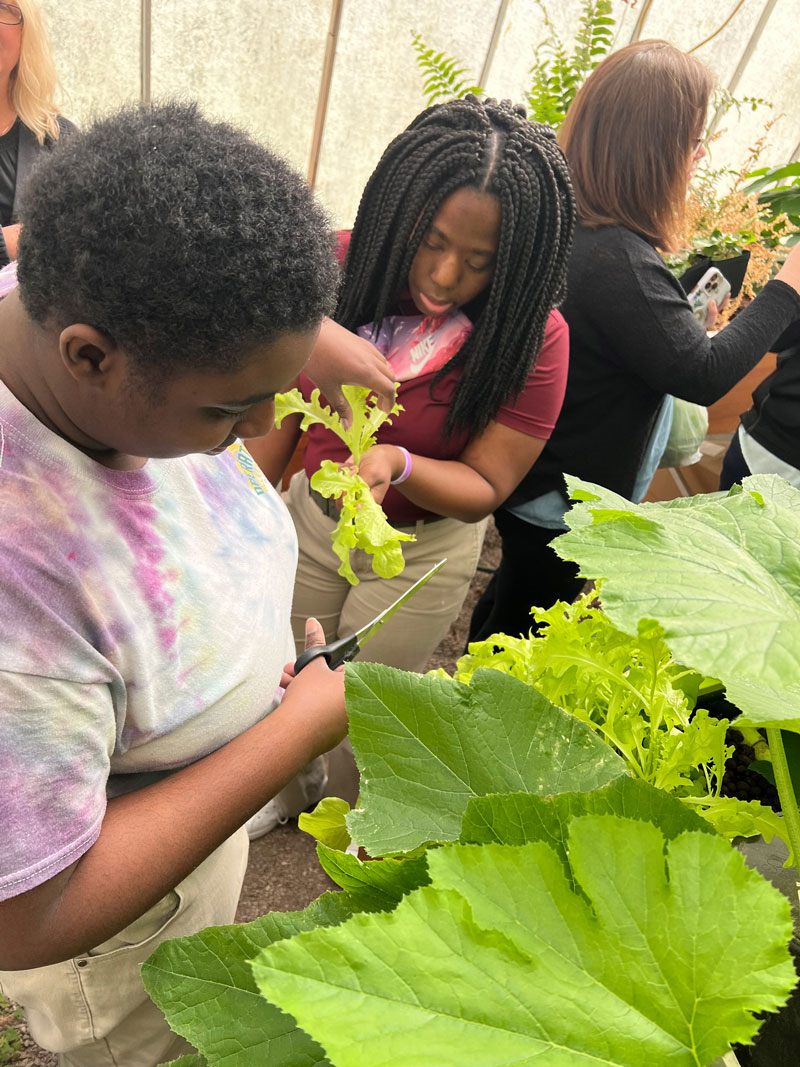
[(729, 227), (726, 599), (534, 899)]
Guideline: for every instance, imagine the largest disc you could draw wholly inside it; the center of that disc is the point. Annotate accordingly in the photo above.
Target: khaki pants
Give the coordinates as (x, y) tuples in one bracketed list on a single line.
[(93, 1010), (408, 639)]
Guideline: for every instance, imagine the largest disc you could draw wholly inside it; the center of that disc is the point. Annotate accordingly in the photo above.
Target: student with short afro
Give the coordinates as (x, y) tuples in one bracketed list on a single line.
[(172, 278)]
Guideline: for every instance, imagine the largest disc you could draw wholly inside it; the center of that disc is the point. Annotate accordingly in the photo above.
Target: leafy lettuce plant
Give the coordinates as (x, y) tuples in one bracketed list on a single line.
[(719, 575), (362, 523), (533, 902), (637, 697)]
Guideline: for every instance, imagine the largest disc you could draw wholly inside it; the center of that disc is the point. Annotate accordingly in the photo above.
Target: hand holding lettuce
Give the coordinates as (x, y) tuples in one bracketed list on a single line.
[(362, 523)]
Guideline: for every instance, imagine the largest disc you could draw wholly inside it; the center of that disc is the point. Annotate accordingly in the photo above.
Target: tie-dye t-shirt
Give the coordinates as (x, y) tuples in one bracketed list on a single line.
[(144, 622)]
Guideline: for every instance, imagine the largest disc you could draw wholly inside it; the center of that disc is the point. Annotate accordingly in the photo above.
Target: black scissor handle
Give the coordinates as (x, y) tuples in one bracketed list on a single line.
[(336, 653)]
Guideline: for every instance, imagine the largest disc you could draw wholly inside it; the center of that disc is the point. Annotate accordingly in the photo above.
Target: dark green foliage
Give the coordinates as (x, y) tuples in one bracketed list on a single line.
[(778, 190), (556, 74), (442, 74), (10, 1037)]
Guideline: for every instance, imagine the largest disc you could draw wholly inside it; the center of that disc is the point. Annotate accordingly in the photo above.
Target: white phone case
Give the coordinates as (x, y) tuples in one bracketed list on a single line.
[(712, 286)]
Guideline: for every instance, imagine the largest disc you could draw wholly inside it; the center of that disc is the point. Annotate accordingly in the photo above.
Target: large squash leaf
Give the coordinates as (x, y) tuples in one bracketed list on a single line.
[(720, 574), (519, 818), (426, 745), (508, 959), (204, 985), (375, 885)]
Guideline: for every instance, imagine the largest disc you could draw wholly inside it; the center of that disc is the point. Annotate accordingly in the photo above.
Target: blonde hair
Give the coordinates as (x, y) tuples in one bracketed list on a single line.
[(33, 84), (628, 137)]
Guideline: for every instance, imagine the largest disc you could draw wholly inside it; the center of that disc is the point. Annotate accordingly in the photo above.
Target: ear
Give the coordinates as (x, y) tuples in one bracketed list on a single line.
[(89, 355)]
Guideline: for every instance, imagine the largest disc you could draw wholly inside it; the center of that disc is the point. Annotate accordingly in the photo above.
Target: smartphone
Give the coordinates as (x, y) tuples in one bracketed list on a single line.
[(712, 286)]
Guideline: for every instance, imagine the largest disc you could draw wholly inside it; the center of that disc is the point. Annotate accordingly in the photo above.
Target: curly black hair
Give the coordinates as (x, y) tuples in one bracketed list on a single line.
[(491, 147), (182, 239)]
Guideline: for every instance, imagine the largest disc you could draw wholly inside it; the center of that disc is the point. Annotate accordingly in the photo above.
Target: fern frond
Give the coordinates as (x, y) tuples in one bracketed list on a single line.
[(442, 74), (556, 74)]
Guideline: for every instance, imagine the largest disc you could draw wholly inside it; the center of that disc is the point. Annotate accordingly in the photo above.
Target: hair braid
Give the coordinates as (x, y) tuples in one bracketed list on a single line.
[(491, 147)]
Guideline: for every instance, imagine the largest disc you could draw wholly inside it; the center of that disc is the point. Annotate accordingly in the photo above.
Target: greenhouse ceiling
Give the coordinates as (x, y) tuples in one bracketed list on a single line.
[(328, 82)]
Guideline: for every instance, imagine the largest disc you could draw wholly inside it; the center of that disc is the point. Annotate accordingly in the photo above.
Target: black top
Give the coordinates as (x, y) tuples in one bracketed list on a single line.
[(27, 152), (9, 147), (633, 339), (774, 419)]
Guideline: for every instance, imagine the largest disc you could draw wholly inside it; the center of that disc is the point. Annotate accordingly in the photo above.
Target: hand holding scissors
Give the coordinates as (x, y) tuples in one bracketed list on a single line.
[(346, 648)]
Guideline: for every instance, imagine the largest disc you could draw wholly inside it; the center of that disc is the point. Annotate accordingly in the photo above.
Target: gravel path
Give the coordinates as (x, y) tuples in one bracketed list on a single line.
[(283, 873)]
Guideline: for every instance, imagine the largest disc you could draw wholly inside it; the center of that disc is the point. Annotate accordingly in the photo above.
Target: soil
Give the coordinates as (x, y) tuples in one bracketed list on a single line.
[(739, 780), (283, 873)]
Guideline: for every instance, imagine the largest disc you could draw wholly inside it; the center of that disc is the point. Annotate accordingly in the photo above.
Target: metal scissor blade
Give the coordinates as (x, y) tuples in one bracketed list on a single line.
[(366, 632)]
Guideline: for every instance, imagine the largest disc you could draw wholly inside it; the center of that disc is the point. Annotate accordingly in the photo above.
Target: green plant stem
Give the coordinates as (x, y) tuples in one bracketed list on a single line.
[(783, 781)]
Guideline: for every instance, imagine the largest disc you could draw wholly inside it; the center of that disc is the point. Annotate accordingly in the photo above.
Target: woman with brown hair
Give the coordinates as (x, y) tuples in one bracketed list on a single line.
[(29, 118), (632, 138)]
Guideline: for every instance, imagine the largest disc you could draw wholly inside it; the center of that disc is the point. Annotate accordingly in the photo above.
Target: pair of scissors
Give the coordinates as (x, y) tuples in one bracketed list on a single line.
[(346, 648)]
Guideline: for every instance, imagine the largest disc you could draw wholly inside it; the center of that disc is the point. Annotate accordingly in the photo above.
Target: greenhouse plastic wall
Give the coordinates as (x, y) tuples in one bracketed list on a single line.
[(260, 63)]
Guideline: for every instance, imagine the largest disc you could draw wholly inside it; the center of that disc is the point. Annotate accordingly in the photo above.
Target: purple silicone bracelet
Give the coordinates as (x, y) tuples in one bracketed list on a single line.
[(406, 470)]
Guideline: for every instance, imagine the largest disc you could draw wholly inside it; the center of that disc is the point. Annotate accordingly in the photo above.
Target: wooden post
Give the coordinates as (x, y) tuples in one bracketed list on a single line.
[(324, 90), (145, 42)]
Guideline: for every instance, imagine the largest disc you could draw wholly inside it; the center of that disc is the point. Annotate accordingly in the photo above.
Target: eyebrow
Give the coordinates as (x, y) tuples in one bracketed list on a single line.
[(256, 398), (473, 251)]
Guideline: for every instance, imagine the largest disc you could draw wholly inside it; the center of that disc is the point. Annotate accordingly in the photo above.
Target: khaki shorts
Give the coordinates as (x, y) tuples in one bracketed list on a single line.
[(93, 1010)]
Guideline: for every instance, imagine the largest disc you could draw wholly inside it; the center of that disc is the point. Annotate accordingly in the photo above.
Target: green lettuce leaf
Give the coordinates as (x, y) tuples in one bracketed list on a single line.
[(720, 573), (204, 985), (425, 746), (366, 416), (326, 822), (733, 817), (362, 523), (637, 698), (507, 959), (628, 688), (187, 1061)]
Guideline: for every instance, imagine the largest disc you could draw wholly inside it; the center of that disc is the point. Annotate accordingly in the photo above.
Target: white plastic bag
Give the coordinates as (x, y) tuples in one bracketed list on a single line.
[(688, 431)]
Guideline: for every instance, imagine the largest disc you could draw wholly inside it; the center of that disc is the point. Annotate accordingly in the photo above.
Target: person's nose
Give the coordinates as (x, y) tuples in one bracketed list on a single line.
[(446, 272), (258, 421)]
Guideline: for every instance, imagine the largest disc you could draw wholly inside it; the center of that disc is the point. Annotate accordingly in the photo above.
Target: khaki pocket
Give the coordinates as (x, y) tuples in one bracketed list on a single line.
[(84, 999), (96, 1003)]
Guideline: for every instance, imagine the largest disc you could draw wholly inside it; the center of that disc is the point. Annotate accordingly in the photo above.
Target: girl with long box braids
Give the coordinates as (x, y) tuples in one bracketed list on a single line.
[(455, 264)]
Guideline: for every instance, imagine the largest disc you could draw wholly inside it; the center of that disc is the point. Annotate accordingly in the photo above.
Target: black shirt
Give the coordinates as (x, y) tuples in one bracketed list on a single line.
[(9, 149), (633, 339), (26, 149), (774, 419)]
